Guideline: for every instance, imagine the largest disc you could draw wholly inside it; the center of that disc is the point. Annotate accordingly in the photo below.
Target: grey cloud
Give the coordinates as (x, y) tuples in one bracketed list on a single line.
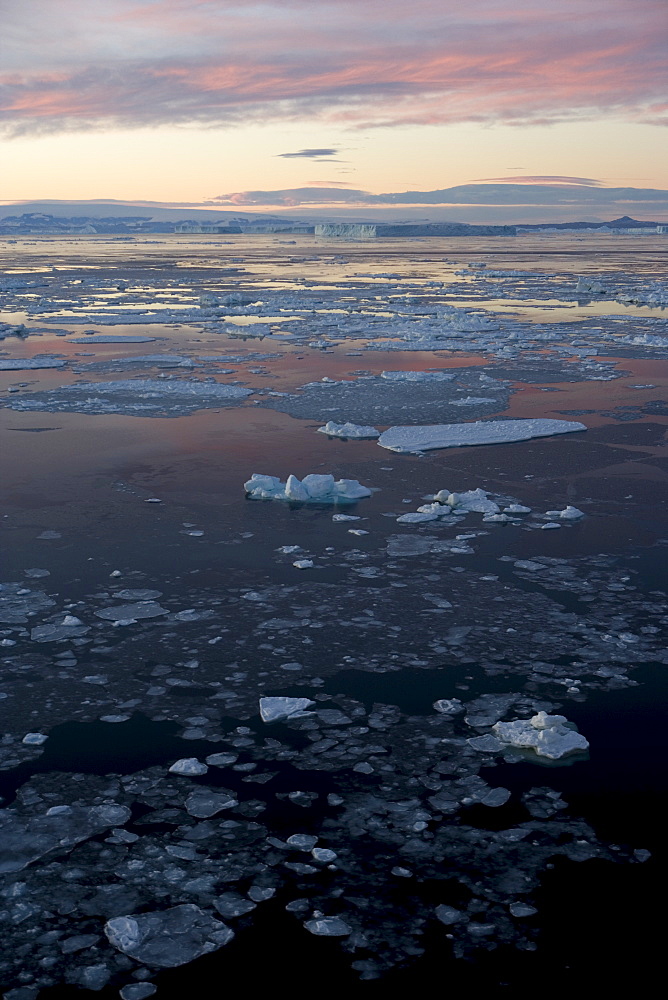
[(308, 153), (539, 179)]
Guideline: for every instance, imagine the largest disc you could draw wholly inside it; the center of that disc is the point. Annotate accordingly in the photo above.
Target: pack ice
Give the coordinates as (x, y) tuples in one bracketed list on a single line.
[(549, 735), (134, 397), (409, 440), (311, 489)]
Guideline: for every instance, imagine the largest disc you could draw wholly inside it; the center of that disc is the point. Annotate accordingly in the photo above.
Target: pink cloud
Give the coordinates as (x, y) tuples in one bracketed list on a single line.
[(135, 62)]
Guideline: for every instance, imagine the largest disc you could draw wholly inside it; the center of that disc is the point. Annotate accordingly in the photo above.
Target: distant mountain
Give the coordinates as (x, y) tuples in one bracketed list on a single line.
[(108, 208), (625, 222)]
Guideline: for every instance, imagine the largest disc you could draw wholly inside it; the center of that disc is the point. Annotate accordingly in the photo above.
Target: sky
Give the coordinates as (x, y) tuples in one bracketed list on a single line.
[(489, 110)]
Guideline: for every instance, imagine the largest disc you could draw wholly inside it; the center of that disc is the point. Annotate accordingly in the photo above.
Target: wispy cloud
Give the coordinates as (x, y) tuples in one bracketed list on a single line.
[(104, 63), (540, 179), (309, 154)]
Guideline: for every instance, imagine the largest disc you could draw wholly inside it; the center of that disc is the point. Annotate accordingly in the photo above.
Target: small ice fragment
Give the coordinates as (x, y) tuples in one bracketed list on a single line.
[(231, 904), (401, 872), (138, 594), (567, 514), (137, 991), (273, 709), (221, 759), (261, 893), (189, 766), (357, 531), (363, 768), (206, 802), (125, 612), (522, 910), (516, 508), (34, 739), (323, 854), (485, 744), (549, 525), (448, 915), (328, 927), (303, 563), (346, 517), (302, 841), (441, 510), (495, 798), (348, 430), (416, 518), (449, 706), (287, 550)]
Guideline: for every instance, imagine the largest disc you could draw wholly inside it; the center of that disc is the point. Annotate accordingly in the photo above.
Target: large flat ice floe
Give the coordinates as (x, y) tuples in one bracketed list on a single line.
[(27, 364), (410, 440), (310, 489), (134, 397)]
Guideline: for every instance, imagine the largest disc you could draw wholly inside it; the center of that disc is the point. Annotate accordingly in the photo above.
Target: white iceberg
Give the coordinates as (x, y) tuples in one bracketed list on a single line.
[(311, 489), (567, 514), (349, 430), (274, 709), (550, 736), (472, 500), (409, 440)]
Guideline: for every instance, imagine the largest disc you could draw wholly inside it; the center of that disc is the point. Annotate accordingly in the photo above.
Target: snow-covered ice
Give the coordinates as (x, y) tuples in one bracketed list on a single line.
[(550, 736), (410, 440), (349, 430)]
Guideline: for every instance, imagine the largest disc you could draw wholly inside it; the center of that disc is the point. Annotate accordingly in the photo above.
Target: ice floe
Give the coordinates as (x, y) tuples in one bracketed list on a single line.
[(274, 709), (349, 430), (549, 736), (168, 938), (410, 440), (27, 364)]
